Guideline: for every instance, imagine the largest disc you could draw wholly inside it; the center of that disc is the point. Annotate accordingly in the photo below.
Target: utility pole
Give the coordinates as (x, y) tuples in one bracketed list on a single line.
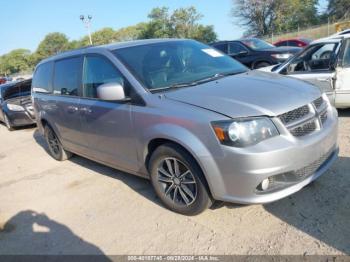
[(87, 23)]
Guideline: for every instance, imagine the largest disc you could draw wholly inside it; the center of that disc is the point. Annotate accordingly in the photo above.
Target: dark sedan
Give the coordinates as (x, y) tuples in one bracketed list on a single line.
[(15, 104), (255, 53)]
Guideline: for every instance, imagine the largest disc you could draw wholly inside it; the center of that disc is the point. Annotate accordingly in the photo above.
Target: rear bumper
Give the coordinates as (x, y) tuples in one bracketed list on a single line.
[(241, 170)]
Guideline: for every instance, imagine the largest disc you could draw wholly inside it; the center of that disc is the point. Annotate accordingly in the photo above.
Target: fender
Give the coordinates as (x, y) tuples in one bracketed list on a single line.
[(192, 144)]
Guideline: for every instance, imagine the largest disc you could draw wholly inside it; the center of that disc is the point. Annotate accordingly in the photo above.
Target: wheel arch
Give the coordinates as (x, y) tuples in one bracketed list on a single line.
[(192, 145)]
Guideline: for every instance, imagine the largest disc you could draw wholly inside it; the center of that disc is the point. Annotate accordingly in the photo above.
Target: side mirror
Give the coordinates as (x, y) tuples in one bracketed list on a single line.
[(111, 91)]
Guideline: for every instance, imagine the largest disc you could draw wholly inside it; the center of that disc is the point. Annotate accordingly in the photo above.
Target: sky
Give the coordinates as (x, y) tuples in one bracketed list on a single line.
[(24, 23)]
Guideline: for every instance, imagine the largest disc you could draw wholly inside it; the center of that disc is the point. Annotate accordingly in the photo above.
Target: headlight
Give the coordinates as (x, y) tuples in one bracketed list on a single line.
[(244, 132), (14, 107), (281, 56)]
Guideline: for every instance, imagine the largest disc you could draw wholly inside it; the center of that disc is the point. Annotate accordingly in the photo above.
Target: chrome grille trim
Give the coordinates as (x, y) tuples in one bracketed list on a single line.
[(318, 102), (295, 114), (306, 119), (304, 129)]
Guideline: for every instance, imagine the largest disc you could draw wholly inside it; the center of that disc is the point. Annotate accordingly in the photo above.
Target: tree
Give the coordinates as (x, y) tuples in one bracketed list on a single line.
[(52, 44), (264, 17), (15, 61), (256, 15), (182, 23), (339, 9)]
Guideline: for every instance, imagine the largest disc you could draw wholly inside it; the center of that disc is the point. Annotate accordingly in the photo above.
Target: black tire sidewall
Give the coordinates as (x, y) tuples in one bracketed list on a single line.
[(58, 156), (203, 199)]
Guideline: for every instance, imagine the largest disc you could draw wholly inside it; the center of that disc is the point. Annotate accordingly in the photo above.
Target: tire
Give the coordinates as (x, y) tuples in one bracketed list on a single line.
[(8, 123), (261, 65), (54, 145), (183, 188)]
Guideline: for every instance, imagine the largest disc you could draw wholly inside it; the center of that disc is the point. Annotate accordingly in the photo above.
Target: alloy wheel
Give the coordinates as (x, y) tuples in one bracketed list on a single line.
[(177, 181), (53, 142)]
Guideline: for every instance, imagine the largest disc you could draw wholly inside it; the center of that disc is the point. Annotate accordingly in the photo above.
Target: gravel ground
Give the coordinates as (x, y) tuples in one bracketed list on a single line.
[(80, 207)]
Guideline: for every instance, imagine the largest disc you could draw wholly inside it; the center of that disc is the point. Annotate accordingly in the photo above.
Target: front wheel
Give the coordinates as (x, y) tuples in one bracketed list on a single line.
[(55, 147), (178, 180)]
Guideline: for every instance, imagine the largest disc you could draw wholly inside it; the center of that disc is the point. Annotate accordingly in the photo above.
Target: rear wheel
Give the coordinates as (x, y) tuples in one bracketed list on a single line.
[(261, 65), (55, 147), (178, 180), (7, 123)]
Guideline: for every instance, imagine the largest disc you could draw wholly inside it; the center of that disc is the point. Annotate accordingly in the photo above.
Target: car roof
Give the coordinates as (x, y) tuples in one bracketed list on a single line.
[(110, 47)]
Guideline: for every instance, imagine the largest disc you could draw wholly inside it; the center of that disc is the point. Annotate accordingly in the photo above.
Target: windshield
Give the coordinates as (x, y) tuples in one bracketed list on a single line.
[(176, 63), (257, 44)]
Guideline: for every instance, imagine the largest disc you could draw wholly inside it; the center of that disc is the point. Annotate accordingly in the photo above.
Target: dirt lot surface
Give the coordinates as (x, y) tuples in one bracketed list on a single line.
[(81, 207)]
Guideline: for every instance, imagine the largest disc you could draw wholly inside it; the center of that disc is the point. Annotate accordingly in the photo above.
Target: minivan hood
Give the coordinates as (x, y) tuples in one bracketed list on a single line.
[(253, 93)]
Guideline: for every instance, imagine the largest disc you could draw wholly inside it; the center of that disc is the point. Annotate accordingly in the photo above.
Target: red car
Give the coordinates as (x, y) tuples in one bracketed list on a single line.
[(299, 42), (2, 80)]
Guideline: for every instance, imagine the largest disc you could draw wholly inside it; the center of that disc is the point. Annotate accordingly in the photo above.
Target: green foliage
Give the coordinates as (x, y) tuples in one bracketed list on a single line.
[(339, 9), (182, 23), (264, 17), (16, 61), (52, 44)]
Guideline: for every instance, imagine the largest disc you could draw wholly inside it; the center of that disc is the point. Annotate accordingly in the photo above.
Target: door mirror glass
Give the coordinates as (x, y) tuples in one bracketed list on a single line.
[(111, 92)]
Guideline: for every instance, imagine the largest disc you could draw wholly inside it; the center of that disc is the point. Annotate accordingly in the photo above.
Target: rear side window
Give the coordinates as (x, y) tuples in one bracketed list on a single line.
[(42, 78), (67, 76)]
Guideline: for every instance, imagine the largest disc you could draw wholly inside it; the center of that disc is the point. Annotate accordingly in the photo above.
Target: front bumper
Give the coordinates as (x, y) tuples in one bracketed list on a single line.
[(20, 118), (239, 171)]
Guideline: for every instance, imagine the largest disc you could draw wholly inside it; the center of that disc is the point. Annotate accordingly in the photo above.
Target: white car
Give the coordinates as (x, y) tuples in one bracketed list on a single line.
[(324, 63)]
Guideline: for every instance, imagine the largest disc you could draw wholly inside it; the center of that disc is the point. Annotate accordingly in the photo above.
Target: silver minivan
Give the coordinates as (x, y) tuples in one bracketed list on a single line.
[(197, 123)]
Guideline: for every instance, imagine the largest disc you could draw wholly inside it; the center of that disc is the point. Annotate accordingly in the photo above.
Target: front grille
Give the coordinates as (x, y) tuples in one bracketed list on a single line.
[(318, 102), (280, 181), (306, 119), (293, 115), (305, 129), (324, 117), (313, 167)]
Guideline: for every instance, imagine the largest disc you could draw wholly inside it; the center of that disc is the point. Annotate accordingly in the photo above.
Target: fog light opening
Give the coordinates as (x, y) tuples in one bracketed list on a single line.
[(264, 185)]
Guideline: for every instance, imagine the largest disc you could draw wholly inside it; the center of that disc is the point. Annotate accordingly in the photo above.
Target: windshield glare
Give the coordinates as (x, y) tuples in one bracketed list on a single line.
[(172, 63), (257, 44)]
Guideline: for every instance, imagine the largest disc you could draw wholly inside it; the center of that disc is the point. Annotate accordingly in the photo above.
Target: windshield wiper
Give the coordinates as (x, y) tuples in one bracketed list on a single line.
[(197, 82)]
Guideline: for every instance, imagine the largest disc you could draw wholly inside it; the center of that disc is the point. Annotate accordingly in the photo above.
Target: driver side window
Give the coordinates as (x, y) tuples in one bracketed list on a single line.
[(314, 58), (99, 71)]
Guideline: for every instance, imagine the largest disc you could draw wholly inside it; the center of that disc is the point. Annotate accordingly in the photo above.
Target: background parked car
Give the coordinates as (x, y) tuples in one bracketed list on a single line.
[(3, 80), (15, 104), (255, 53), (297, 42), (326, 64)]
